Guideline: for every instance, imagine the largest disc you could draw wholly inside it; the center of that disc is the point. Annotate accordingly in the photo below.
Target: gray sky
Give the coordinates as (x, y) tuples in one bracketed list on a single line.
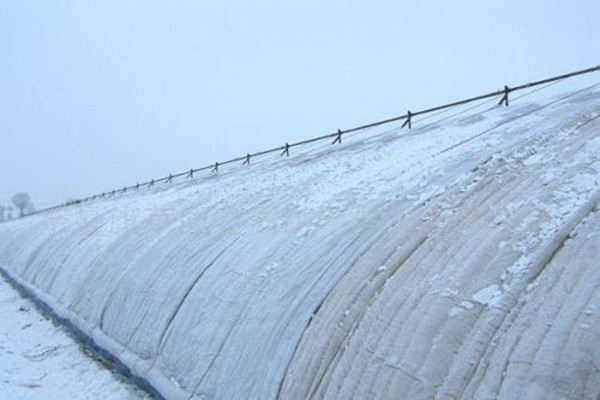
[(99, 94)]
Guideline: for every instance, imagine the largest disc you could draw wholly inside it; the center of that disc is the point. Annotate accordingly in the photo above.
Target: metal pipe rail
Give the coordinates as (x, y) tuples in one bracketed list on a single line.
[(337, 136)]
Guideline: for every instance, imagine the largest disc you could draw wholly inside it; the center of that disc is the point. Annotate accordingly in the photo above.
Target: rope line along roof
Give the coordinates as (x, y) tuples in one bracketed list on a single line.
[(337, 136)]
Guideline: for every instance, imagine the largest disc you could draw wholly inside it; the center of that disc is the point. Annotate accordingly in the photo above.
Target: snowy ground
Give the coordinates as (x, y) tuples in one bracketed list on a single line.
[(39, 361)]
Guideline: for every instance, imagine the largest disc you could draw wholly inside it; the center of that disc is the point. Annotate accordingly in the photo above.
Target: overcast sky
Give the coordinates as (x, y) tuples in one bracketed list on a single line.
[(99, 94)]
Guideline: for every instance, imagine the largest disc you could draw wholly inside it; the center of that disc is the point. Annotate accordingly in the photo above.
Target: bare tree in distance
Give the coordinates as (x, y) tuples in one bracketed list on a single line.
[(9, 211), (23, 203), (2, 208)]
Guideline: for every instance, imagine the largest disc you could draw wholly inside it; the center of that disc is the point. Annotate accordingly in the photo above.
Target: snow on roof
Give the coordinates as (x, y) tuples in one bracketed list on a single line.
[(453, 259)]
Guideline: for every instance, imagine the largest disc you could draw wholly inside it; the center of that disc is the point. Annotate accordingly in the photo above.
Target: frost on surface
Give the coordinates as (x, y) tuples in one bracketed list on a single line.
[(39, 361), (456, 259)]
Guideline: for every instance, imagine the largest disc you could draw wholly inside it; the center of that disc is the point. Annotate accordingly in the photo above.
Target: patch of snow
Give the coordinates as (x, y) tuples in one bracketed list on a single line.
[(40, 361), (463, 306), (489, 296)]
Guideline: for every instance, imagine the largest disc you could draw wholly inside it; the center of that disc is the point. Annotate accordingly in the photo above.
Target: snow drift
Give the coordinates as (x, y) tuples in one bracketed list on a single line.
[(456, 259)]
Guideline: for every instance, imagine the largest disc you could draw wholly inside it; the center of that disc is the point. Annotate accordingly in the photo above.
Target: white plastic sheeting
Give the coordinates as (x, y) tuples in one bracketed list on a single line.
[(456, 259)]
